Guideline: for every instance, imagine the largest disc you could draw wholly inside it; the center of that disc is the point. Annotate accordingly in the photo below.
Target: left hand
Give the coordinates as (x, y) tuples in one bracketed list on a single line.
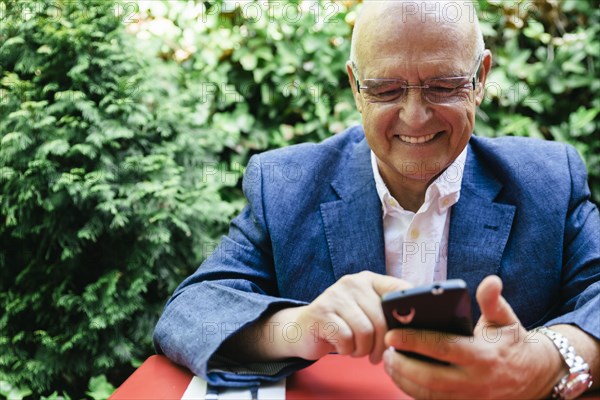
[(501, 360)]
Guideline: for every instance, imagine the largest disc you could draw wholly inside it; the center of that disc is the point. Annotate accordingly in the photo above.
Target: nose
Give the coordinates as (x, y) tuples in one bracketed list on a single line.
[(414, 111)]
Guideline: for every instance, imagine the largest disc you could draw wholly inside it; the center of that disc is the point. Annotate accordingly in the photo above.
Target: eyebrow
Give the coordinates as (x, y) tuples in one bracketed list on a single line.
[(379, 82), (451, 74)]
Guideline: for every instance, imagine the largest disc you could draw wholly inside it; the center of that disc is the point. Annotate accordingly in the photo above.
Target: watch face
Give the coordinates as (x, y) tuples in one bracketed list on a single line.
[(577, 385)]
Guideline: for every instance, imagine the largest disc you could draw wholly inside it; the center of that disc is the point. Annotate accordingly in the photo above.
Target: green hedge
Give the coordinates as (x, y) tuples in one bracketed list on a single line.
[(123, 134), (100, 215), (545, 80)]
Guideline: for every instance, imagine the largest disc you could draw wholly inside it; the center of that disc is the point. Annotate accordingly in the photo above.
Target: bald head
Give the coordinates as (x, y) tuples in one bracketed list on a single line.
[(440, 22)]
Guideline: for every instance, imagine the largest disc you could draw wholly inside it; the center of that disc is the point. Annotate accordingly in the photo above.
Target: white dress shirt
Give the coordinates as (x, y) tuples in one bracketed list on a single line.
[(416, 244)]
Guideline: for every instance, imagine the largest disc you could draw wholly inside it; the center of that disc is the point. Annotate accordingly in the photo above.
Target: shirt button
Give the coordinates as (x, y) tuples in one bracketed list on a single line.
[(414, 234), (393, 202), (446, 202)]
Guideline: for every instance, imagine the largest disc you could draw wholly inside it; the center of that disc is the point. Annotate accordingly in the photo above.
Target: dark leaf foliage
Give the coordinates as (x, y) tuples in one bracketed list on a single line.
[(101, 213)]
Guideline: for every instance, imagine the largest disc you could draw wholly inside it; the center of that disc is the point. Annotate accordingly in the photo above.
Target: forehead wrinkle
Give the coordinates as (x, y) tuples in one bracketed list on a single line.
[(435, 68)]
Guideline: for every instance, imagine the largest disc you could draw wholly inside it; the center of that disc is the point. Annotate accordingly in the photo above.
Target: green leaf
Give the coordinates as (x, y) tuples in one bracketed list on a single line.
[(44, 49), (17, 138), (57, 147), (13, 41), (249, 61), (581, 119), (557, 86), (312, 43)]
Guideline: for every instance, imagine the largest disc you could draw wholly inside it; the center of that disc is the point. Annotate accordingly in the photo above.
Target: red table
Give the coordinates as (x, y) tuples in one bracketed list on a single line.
[(332, 377)]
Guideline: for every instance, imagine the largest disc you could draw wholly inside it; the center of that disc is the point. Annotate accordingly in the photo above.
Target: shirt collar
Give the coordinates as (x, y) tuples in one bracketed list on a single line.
[(444, 191)]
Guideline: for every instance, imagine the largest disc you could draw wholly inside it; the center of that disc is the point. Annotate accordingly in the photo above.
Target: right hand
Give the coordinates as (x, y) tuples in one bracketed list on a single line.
[(347, 317)]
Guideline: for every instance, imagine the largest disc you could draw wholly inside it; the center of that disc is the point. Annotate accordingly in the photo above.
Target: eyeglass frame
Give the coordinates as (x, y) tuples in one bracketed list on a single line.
[(472, 82)]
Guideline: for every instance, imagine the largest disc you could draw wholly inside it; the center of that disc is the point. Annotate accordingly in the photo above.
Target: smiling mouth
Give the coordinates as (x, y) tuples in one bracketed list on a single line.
[(418, 139)]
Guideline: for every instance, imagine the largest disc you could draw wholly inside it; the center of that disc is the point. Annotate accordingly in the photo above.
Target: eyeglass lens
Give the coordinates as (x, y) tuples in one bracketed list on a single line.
[(439, 91)]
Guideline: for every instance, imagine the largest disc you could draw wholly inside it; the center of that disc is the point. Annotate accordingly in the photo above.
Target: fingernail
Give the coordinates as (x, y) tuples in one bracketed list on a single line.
[(388, 359)]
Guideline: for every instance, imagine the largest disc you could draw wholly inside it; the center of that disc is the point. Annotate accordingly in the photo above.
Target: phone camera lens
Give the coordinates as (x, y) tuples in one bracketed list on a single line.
[(437, 289)]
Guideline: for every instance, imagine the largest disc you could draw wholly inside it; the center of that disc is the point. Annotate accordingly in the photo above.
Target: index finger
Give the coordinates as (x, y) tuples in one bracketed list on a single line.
[(425, 379), (384, 284)]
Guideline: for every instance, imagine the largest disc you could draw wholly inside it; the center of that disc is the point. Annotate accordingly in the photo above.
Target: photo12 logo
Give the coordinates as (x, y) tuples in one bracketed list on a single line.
[(56, 11), (319, 12)]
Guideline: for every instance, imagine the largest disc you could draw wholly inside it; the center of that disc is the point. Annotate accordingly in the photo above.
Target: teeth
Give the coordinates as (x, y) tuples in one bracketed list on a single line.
[(417, 140)]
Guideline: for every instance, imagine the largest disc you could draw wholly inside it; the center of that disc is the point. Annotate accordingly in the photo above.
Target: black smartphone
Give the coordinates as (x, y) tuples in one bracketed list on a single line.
[(442, 306)]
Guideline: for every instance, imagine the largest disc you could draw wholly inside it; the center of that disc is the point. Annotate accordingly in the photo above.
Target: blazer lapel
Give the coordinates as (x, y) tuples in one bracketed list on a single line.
[(353, 224), (479, 227)]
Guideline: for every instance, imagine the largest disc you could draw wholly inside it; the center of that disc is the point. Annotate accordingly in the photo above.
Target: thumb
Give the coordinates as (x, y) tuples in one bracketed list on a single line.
[(385, 283), (495, 309)]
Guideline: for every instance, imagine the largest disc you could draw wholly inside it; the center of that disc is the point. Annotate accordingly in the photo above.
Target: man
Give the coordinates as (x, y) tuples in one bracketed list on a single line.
[(411, 199)]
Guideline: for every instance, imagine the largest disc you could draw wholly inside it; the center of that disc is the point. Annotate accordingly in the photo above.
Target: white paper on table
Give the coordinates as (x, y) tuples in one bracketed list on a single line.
[(196, 390)]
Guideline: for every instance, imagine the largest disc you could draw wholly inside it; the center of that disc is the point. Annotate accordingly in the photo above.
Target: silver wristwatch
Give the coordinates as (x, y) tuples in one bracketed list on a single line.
[(579, 378)]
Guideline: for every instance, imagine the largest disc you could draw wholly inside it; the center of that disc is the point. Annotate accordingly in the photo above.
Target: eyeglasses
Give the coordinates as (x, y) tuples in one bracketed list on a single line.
[(434, 90)]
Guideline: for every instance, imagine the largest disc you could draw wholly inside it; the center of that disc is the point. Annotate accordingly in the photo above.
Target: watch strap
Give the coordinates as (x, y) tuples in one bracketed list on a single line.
[(576, 364)]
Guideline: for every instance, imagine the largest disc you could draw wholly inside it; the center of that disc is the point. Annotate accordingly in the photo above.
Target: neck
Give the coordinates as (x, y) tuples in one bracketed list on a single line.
[(409, 193)]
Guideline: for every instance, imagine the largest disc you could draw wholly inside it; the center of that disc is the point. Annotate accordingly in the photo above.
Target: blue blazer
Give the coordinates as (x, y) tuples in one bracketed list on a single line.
[(313, 215)]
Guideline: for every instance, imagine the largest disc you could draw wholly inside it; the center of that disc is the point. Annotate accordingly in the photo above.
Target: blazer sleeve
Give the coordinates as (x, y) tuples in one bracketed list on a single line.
[(232, 289), (581, 255)]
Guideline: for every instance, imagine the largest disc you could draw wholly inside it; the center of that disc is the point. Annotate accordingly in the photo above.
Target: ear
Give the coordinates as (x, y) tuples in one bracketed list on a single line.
[(352, 79), (484, 71)]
